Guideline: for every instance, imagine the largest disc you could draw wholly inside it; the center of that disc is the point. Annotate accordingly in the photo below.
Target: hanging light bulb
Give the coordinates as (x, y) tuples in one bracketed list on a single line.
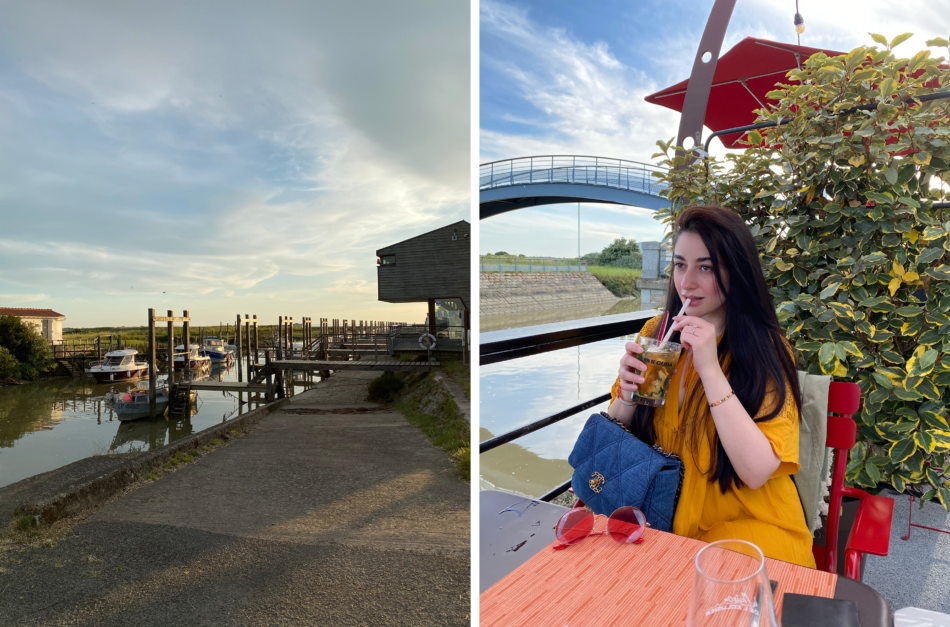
[(799, 23)]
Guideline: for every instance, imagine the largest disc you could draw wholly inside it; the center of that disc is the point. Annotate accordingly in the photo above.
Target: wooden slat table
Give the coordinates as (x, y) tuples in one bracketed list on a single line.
[(602, 582)]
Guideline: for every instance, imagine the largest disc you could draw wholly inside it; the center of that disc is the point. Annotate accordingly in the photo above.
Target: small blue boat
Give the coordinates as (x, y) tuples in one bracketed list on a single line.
[(215, 349)]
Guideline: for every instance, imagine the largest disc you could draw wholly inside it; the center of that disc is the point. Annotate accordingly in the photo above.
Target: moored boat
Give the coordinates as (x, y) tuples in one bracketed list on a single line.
[(215, 349), (118, 365), (195, 360), (135, 403)]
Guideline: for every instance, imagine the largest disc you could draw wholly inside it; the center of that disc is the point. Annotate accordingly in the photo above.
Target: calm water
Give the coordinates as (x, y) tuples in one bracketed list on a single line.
[(47, 424), (520, 391)]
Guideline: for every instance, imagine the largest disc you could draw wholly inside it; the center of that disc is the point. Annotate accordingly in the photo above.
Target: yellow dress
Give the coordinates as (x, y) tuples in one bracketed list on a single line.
[(771, 516)]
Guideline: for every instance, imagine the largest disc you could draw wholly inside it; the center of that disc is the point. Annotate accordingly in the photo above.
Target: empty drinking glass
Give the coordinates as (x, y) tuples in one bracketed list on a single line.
[(731, 587)]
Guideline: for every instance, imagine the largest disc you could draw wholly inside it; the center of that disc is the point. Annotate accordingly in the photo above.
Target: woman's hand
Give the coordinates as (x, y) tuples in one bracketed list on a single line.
[(700, 336), (629, 364)]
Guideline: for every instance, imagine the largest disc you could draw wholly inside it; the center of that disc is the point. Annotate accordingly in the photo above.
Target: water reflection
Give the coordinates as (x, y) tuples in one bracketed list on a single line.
[(547, 316), (520, 391), (47, 424)]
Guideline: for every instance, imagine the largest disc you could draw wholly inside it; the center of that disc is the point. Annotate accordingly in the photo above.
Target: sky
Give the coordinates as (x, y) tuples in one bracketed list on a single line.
[(225, 157), (559, 77)]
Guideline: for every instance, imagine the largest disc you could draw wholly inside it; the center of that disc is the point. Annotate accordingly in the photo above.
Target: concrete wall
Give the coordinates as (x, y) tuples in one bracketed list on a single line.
[(55, 332), (508, 293)]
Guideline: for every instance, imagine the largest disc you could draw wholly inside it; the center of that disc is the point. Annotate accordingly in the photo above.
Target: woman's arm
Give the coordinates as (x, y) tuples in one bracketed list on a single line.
[(629, 380), (750, 452)]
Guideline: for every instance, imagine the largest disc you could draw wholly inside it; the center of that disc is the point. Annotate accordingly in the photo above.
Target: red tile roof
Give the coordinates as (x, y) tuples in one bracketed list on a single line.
[(29, 312)]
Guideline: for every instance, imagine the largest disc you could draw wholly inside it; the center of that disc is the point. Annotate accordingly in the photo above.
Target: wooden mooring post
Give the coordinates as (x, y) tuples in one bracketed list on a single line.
[(186, 359), (152, 370), (171, 353), (256, 348), (240, 345)]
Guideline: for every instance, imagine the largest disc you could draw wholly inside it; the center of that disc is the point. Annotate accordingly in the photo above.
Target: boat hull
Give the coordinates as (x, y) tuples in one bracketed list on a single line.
[(135, 410), (127, 374)]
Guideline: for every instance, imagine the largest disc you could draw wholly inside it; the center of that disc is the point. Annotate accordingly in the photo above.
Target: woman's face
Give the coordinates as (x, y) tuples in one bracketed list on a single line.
[(694, 278)]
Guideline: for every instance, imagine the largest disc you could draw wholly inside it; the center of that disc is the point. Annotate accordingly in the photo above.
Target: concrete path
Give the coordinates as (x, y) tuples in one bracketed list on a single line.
[(916, 572), (332, 511)]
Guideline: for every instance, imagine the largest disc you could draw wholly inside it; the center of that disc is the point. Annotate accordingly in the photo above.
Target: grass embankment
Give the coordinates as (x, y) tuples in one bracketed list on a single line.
[(430, 408), (622, 282)]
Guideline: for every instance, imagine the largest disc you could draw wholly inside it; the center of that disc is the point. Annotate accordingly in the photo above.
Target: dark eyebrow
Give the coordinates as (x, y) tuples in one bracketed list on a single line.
[(684, 258)]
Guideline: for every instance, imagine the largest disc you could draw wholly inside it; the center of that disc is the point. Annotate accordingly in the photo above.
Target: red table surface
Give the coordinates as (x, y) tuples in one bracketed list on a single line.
[(602, 582)]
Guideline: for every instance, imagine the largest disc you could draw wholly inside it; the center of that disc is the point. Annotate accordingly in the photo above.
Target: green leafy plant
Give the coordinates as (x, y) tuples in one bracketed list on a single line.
[(842, 203)]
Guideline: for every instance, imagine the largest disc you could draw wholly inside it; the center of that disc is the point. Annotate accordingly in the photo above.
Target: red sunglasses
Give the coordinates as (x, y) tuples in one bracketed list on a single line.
[(625, 525)]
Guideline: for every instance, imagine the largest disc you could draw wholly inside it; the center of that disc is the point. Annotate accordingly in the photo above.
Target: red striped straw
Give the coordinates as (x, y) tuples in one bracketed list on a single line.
[(666, 317)]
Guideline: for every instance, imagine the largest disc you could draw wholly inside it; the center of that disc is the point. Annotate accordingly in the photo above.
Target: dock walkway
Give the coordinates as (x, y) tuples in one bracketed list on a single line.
[(331, 511), (371, 365)]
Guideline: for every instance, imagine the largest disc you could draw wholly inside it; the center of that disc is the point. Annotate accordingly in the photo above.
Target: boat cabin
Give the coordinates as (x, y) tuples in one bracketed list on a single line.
[(120, 358)]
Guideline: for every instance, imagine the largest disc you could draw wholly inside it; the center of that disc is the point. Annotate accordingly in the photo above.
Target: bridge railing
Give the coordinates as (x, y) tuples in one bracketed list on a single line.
[(572, 169)]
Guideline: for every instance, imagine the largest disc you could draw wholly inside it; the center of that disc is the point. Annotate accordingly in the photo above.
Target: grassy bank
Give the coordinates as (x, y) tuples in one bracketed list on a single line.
[(621, 282)]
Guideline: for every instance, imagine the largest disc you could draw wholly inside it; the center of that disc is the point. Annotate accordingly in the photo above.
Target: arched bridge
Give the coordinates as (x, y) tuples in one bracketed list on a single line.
[(532, 181)]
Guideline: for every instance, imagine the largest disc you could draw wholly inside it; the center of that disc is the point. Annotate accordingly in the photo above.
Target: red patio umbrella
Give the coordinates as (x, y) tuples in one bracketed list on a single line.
[(743, 76)]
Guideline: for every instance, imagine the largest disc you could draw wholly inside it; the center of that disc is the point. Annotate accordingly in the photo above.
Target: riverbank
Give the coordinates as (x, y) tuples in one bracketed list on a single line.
[(332, 510), (510, 293), (561, 314)]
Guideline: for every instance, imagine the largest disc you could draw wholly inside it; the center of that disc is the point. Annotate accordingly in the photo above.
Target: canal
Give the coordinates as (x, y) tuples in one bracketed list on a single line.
[(517, 392), (47, 424)]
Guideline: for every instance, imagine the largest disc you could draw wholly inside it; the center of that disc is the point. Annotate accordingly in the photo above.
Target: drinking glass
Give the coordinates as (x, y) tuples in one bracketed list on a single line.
[(731, 587), (660, 359)]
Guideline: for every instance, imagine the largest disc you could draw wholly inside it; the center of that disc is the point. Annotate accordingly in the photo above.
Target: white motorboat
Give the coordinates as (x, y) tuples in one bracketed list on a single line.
[(196, 361), (118, 365)]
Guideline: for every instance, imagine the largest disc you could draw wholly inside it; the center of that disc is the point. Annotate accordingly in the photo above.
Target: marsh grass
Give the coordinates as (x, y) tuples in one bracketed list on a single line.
[(622, 282)]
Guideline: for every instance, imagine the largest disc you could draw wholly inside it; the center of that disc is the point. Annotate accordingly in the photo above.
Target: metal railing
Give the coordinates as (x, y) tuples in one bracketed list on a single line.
[(501, 346), (572, 169), (514, 264), (406, 337)]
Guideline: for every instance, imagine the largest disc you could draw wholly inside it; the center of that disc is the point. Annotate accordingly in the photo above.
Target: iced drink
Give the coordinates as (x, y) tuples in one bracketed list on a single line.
[(660, 361)]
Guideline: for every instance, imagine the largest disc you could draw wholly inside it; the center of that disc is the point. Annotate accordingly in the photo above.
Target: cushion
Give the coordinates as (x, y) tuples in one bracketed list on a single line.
[(812, 453)]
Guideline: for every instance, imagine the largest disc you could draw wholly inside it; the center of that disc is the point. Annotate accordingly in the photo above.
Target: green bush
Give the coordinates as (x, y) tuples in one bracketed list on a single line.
[(383, 389), (26, 372), (25, 342), (622, 282), (9, 368), (629, 261), (841, 203)]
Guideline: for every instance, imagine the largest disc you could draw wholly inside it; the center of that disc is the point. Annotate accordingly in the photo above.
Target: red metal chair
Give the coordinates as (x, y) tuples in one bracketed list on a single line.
[(871, 531)]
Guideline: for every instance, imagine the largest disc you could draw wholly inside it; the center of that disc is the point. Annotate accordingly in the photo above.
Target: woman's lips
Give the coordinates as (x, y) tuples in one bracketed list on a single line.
[(693, 301)]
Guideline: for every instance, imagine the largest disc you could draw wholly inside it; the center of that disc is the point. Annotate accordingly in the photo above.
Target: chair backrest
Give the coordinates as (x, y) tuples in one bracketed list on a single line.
[(844, 399)]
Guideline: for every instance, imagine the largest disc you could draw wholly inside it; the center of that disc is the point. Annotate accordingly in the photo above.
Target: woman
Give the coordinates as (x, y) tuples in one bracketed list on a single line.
[(733, 407)]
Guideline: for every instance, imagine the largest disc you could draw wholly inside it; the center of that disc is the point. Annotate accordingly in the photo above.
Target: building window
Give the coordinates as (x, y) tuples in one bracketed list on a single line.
[(388, 260)]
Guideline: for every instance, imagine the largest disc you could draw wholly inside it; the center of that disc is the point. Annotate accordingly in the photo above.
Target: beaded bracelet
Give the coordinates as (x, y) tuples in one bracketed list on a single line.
[(627, 403), (721, 401)]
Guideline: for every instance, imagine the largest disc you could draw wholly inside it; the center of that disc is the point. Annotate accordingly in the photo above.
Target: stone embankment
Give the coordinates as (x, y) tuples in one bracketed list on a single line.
[(509, 293)]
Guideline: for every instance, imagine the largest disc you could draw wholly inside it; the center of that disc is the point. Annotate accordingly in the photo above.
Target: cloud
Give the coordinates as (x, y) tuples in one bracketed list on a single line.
[(209, 149), (589, 102), (14, 300)]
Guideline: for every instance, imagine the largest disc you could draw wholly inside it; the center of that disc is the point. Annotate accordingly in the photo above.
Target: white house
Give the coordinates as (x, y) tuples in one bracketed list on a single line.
[(46, 321)]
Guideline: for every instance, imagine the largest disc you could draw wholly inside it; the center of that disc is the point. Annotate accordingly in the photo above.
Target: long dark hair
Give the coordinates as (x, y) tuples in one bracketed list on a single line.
[(750, 363)]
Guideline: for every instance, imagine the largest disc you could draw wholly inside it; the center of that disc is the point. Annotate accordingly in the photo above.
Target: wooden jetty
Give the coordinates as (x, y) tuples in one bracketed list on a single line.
[(375, 365), (228, 386)]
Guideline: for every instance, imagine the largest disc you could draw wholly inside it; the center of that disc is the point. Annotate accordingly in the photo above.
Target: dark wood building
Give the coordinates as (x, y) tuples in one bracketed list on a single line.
[(429, 267)]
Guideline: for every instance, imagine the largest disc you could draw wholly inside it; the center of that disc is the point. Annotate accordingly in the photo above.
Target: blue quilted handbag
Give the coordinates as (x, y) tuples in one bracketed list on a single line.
[(612, 468)]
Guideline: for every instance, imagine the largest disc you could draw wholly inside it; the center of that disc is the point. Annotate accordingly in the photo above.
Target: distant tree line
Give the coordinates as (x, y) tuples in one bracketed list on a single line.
[(622, 253), (24, 352)]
